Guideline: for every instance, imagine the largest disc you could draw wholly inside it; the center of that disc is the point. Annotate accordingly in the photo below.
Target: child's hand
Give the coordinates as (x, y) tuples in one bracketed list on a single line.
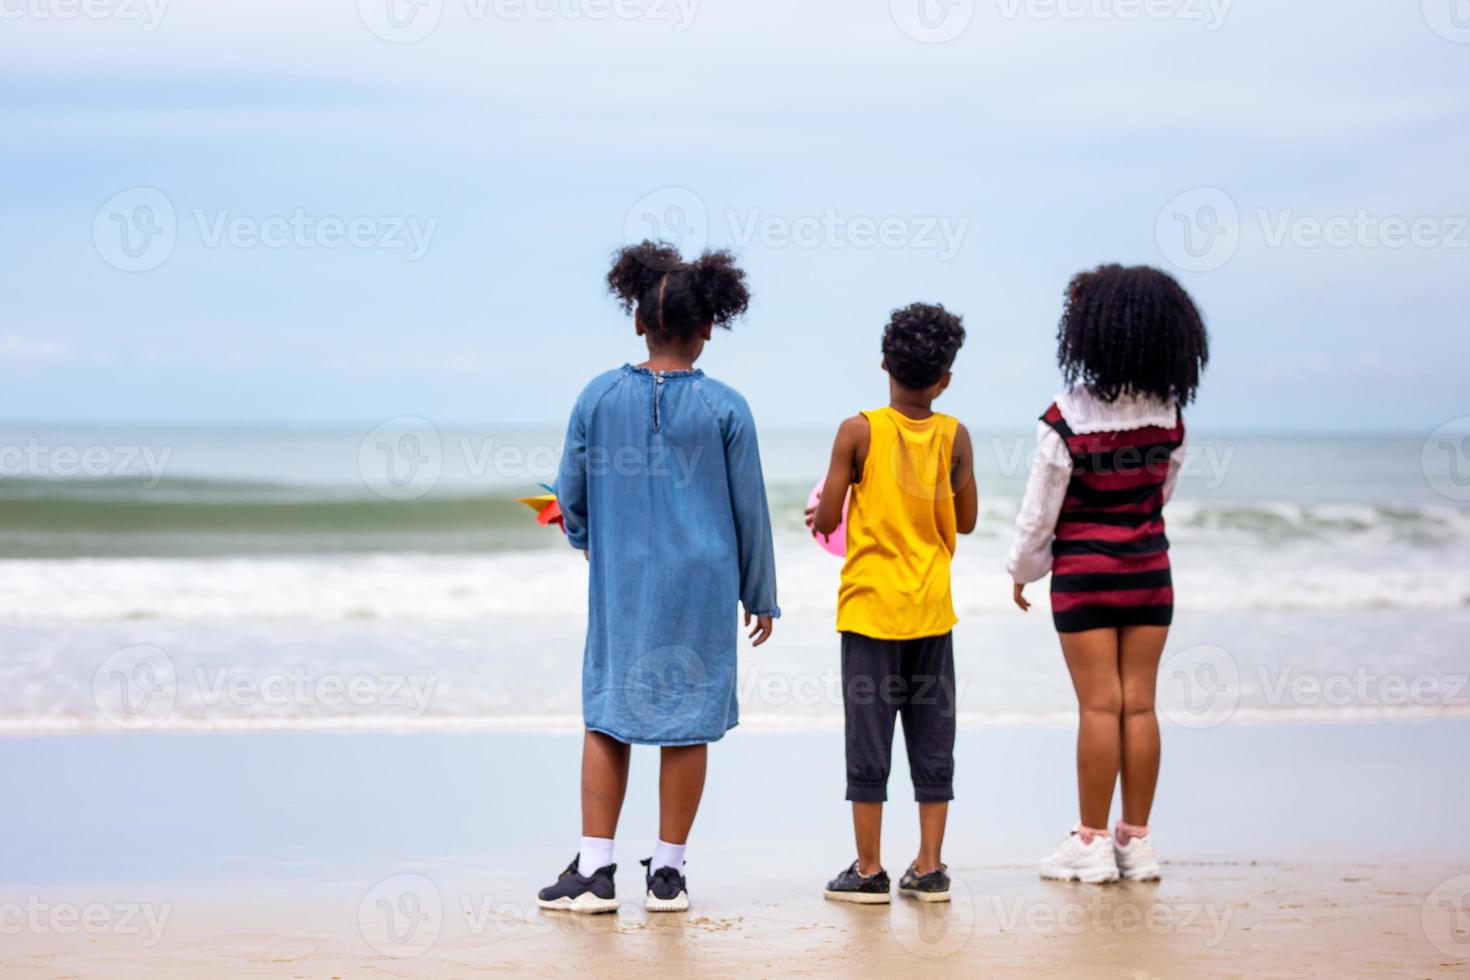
[(1020, 599), (762, 631), (811, 517)]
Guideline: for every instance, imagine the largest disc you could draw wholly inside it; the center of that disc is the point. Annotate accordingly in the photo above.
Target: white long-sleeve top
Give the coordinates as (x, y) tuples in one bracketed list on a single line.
[(1051, 469)]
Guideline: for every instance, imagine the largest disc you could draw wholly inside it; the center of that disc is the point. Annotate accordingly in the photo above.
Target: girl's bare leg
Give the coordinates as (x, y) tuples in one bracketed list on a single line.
[(1092, 660), (680, 786), (604, 783), (1139, 649)]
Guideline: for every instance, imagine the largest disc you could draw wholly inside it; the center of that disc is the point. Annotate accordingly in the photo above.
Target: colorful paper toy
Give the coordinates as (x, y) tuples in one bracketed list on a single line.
[(548, 511)]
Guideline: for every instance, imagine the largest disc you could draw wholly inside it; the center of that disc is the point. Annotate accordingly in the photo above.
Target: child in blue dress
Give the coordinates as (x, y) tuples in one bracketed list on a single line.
[(661, 488)]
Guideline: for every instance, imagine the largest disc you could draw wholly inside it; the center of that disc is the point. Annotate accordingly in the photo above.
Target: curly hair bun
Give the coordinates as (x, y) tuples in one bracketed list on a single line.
[(675, 299), (721, 286), (638, 268), (920, 344)]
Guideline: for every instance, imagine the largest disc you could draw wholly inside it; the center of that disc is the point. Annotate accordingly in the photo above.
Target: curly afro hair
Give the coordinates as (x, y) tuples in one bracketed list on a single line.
[(675, 299), (920, 344), (1132, 330)]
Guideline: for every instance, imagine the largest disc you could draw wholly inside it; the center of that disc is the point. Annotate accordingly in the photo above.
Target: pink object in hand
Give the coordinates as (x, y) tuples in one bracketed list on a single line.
[(836, 542)]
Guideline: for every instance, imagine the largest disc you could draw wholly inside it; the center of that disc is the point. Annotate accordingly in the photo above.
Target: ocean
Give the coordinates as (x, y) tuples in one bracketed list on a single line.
[(384, 578)]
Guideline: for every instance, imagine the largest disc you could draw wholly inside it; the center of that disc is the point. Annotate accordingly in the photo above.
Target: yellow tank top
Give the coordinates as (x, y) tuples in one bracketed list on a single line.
[(900, 531)]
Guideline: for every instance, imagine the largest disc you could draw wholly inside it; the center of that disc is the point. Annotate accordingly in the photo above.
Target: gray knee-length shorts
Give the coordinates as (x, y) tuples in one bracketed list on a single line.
[(910, 679)]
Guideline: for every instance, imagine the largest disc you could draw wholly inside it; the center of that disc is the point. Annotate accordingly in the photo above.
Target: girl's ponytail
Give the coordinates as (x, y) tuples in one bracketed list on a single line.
[(720, 286), (637, 269)]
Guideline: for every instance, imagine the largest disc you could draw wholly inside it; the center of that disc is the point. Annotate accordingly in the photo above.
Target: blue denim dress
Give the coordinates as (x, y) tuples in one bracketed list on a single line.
[(661, 484)]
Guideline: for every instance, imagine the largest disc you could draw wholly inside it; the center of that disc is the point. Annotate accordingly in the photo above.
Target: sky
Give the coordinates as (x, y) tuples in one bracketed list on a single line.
[(305, 212)]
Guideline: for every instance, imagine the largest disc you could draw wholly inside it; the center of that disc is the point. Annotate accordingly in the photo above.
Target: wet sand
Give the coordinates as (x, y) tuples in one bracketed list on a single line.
[(1200, 920), (1331, 850)]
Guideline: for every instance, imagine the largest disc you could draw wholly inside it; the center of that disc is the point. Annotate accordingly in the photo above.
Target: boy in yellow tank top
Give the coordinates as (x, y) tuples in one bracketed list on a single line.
[(911, 475)]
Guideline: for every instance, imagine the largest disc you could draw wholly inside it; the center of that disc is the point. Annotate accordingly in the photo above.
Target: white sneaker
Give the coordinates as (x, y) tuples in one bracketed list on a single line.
[(1136, 860), (1073, 860)]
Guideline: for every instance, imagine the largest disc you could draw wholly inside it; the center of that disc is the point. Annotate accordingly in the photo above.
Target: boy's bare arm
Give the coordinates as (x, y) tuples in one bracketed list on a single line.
[(851, 436), (962, 481)]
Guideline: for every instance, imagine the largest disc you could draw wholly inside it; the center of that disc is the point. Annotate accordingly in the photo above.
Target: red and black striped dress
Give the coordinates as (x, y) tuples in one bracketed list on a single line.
[(1110, 558)]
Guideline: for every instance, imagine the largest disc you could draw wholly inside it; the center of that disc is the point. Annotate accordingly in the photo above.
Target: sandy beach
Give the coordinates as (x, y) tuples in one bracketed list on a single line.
[(418, 855), (1219, 920)]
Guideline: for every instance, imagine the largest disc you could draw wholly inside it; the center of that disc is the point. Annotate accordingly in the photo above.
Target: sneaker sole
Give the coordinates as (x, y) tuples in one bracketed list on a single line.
[(858, 898), (1088, 876), (919, 896), (584, 904), (1149, 873), (679, 903)]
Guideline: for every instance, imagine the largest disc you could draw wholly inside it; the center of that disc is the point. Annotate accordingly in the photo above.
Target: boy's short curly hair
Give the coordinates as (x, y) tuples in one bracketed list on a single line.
[(920, 344)]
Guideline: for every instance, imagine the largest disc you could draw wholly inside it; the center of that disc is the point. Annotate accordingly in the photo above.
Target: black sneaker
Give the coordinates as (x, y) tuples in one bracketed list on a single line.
[(850, 886), (932, 887), (665, 889), (574, 893)]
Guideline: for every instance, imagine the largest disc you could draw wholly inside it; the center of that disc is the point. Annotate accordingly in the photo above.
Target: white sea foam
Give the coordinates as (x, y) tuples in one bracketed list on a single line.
[(1315, 561), (1302, 574)]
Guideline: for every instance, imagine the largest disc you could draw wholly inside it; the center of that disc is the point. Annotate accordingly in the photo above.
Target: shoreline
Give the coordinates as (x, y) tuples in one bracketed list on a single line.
[(762, 725), (520, 676), (355, 800)]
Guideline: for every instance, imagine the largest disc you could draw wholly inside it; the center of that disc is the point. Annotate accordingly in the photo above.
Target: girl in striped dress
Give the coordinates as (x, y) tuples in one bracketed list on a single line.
[(1131, 348)]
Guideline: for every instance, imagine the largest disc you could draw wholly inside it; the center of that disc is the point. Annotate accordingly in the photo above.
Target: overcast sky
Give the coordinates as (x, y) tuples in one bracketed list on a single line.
[(311, 211)]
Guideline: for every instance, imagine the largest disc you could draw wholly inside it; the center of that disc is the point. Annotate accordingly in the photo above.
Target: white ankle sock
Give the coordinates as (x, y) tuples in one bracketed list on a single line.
[(666, 855), (597, 853)]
